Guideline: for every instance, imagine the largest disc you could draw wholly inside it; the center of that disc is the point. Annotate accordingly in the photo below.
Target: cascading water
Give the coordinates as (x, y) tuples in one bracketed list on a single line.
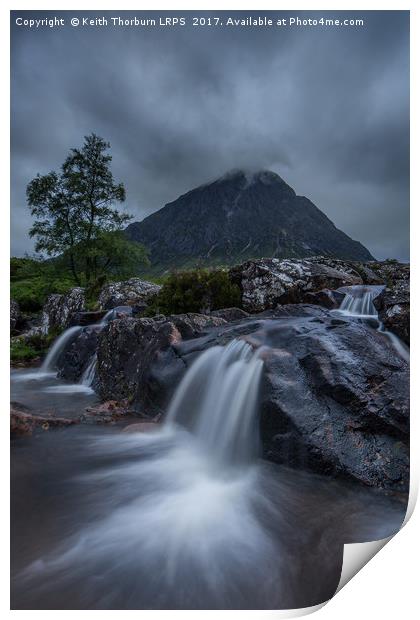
[(217, 400), (358, 306), (189, 522), (57, 348), (358, 301), (89, 374)]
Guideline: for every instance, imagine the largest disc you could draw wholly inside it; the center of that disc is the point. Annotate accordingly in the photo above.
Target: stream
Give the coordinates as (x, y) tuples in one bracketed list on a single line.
[(186, 516)]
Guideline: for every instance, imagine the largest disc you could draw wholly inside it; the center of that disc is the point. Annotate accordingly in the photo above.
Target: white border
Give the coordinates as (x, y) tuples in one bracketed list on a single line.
[(387, 586)]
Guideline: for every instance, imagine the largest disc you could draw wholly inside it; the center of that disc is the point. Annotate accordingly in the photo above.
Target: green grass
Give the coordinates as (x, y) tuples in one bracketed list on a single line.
[(32, 293), (22, 352)]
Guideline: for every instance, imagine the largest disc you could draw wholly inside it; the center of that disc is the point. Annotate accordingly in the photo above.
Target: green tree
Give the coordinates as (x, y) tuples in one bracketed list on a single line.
[(75, 214)]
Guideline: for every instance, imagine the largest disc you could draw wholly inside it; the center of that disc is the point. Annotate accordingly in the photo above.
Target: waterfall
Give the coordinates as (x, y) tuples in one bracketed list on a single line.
[(217, 400), (57, 348), (89, 373), (107, 317), (359, 303), (188, 511), (400, 347)]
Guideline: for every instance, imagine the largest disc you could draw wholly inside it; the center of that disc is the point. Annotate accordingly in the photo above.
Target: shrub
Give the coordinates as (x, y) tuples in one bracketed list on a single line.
[(199, 290)]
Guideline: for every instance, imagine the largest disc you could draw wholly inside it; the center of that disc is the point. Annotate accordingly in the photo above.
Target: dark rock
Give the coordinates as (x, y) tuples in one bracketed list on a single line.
[(238, 217), (134, 356), (390, 271), (393, 306), (191, 324), (357, 269), (265, 283), (87, 318), (59, 309), (230, 314), (325, 297), (133, 292), (126, 352), (75, 358), (334, 397)]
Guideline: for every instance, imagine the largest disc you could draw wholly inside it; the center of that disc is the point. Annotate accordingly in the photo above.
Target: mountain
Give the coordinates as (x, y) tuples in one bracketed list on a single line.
[(238, 217)]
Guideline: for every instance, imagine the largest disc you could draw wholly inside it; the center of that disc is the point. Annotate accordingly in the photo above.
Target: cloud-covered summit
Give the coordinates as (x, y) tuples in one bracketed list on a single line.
[(325, 108)]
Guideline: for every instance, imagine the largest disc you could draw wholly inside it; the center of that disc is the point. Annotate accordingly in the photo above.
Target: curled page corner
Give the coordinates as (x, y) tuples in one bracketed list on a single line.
[(357, 555)]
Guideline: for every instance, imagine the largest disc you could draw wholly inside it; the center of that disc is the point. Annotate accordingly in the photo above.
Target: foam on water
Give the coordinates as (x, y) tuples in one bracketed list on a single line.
[(194, 495)]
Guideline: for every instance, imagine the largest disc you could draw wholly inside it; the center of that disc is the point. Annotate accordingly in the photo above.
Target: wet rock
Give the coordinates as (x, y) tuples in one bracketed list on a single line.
[(192, 324), (108, 412), (75, 358), (58, 309), (23, 422), (87, 318), (126, 352), (135, 355), (230, 314), (133, 292), (354, 268), (393, 305), (334, 396), (265, 283), (325, 297)]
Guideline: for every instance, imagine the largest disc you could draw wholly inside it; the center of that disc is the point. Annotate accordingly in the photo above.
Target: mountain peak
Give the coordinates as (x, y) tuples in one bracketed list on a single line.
[(252, 176), (242, 215)]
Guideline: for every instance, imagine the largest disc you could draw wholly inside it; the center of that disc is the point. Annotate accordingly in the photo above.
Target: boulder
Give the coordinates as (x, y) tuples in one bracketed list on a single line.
[(334, 394), (265, 283), (324, 297), (76, 356), (133, 292), (393, 305), (134, 353), (354, 268), (126, 352), (192, 324), (58, 309), (390, 271)]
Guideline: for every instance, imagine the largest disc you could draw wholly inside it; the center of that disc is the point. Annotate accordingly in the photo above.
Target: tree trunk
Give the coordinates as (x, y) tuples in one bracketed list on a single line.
[(73, 269)]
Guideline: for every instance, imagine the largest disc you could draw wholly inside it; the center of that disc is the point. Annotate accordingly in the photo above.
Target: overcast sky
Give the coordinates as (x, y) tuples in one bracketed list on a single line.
[(326, 108)]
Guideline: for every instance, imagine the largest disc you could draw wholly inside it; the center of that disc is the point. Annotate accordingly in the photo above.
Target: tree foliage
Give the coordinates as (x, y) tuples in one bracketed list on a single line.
[(75, 214)]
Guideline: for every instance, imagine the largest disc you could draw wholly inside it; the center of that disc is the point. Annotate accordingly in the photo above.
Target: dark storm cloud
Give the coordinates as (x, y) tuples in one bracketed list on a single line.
[(325, 108)]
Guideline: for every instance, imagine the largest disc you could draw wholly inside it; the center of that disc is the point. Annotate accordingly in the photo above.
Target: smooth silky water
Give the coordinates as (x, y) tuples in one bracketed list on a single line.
[(358, 303), (186, 516)]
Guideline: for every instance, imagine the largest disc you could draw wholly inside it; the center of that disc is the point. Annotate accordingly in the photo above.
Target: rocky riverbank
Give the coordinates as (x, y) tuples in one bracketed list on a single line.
[(334, 395)]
